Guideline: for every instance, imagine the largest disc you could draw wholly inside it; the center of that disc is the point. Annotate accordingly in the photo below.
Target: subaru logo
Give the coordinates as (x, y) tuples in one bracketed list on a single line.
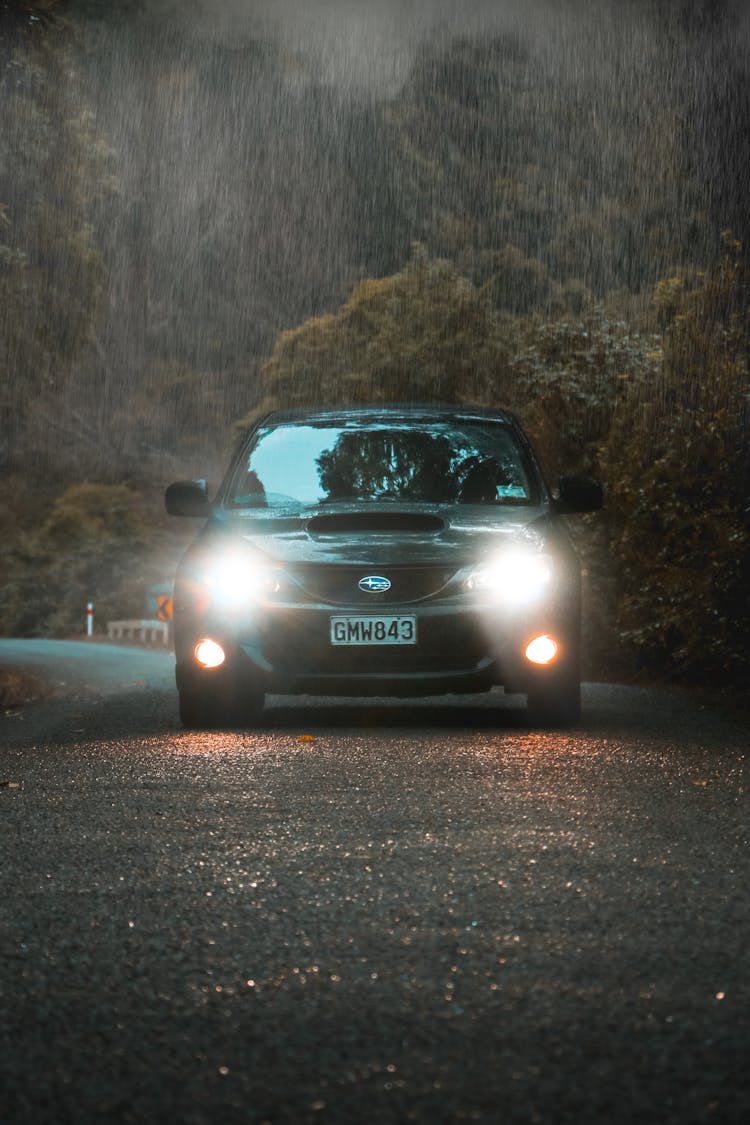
[(374, 584)]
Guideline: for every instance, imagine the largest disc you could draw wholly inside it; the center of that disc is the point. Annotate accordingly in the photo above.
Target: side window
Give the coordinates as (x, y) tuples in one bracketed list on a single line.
[(489, 468)]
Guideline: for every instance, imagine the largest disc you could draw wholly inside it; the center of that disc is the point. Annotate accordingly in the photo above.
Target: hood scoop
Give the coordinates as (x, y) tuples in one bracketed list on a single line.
[(395, 523)]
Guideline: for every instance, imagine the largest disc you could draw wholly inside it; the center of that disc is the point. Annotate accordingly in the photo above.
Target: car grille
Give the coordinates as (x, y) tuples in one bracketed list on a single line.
[(338, 585)]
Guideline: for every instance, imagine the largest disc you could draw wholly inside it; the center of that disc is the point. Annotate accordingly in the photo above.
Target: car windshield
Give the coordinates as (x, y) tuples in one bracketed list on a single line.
[(470, 461)]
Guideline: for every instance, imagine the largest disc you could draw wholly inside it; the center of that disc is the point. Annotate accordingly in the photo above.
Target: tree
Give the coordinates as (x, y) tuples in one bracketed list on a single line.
[(96, 543), (568, 163), (678, 468), (423, 334), (50, 272), (571, 375), (428, 334)]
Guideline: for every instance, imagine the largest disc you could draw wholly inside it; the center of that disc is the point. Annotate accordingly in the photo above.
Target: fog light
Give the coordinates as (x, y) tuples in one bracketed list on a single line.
[(209, 654), (542, 650)]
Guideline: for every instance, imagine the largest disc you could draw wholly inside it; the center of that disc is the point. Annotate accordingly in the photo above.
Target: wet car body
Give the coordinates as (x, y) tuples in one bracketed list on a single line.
[(434, 577)]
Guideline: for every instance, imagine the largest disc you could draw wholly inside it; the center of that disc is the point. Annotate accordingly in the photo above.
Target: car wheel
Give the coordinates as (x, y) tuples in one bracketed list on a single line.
[(556, 704), (243, 709), (554, 701), (197, 709), (223, 707)]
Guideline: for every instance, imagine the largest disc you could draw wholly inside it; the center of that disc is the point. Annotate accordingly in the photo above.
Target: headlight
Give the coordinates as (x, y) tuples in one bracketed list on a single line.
[(238, 579), (515, 577)]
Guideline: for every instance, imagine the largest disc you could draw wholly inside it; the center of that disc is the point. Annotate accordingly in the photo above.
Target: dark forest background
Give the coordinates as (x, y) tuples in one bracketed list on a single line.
[(201, 217)]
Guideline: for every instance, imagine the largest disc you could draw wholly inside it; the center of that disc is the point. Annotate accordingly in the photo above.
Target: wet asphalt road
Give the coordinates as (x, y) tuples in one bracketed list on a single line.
[(387, 913)]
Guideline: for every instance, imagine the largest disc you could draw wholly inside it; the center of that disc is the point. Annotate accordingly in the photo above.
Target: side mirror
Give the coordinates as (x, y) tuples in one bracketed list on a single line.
[(580, 494), (187, 498)]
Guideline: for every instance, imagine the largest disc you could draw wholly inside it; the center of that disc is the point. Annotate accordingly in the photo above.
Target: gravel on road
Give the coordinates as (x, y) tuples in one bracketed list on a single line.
[(377, 913)]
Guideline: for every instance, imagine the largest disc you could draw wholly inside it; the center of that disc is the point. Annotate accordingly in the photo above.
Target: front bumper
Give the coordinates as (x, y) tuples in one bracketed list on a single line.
[(460, 648)]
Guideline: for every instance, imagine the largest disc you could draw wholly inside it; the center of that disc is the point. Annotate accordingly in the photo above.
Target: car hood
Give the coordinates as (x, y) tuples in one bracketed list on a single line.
[(362, 535)]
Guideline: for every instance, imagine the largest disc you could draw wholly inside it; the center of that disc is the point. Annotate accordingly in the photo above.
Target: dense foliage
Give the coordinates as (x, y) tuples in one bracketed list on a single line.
[(196, 224), (97, 541), (428, 333), (423, 333), (678, 462), (51, 273)]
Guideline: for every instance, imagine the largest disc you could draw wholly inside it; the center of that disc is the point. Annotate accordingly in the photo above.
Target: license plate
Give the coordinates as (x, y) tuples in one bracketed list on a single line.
[(374, 630)]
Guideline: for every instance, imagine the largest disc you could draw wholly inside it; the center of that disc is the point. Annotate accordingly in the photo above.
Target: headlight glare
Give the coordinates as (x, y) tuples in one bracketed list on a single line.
[(237, 580), (515, 577), (209, 654), (542, 649)]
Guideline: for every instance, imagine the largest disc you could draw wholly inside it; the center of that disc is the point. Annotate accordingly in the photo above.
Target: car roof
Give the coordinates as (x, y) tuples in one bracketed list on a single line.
[(336, 415)]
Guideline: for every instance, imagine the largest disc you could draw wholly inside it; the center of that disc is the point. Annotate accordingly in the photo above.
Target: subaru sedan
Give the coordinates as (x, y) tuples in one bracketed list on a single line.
[(387, 550)]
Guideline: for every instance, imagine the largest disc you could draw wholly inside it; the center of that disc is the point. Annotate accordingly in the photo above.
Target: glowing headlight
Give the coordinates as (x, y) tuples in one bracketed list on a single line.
[(515, 577), (237, 580)]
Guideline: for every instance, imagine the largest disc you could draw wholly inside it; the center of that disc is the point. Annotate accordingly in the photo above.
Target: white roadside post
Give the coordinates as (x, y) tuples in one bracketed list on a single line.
[(90, 619)]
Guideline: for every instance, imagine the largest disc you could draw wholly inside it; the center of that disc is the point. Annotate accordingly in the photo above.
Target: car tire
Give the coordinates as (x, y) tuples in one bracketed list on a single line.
[(197, 709), (554, 696), (557, 704), (225, 706)]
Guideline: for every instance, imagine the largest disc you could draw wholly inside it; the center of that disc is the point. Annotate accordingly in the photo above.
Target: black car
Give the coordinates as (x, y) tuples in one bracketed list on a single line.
[(388, 550)]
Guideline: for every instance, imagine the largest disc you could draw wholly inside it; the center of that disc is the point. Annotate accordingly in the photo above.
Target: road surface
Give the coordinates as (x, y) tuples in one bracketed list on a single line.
[(381, 913)]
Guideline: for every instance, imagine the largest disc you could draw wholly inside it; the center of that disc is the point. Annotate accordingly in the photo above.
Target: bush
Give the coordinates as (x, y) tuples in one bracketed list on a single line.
[(677, 468), (97, 543), (423, 334)]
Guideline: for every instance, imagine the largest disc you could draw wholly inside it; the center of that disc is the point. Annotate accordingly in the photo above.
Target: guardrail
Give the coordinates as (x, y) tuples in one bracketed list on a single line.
[(141, 629)]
